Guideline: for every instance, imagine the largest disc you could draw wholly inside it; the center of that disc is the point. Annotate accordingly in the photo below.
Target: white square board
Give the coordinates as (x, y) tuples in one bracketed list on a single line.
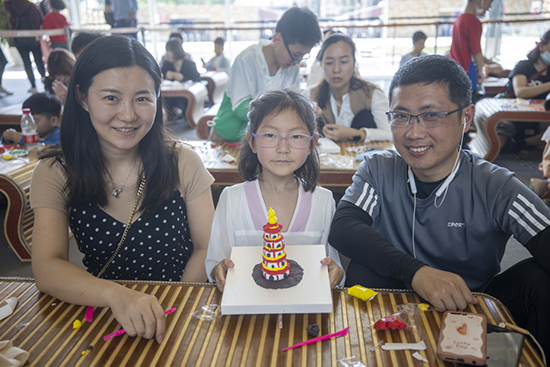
[(242, 296)]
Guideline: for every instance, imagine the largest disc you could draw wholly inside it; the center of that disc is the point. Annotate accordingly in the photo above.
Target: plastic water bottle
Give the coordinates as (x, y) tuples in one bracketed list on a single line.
[(28, 128)]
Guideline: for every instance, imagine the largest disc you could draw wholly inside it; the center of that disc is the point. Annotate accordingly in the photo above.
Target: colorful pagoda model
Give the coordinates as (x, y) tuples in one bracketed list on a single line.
[(275, 266)]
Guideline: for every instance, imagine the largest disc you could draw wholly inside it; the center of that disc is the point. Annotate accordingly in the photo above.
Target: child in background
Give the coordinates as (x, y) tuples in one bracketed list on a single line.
[(419, 40), (218, 62), (46, 111), (56, 20), (60, 68), (263, 66), (280, 164)]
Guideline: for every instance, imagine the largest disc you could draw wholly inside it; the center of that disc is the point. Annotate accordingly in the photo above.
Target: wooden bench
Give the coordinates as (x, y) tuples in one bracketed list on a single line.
[(490, 111), (203, 126), (195, 94), (217, 81), (19, 220)]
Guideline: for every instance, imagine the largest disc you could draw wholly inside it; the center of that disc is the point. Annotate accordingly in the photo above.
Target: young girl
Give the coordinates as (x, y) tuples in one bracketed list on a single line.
[(279, 162)]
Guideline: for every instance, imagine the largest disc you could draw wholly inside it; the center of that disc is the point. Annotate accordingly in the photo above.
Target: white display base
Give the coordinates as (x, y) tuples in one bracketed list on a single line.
[(242, 296)]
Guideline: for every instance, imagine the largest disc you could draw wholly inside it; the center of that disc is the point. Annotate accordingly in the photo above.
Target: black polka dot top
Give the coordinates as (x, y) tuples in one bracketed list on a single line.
[(157, 245)]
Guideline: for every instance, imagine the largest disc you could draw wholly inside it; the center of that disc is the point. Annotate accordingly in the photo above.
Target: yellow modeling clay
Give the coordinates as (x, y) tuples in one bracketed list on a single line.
[(363, 293), (77, 324), (423, 306)]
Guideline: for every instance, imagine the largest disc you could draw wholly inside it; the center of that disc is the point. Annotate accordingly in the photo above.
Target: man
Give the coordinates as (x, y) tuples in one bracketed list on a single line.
[(466, 43), (218, 62), (435, 218), (125, 14), (29, 16), (419, 40), (265, 65)]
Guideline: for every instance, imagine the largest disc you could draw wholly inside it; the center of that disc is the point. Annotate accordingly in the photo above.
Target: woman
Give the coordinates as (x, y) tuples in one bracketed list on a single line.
[(139, 204), (179, 68), (349, 107), (60, 67), (530, 79)]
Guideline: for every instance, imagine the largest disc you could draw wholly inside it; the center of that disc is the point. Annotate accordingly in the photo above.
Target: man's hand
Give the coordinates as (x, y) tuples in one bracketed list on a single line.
[(444, 290), (219, 273)]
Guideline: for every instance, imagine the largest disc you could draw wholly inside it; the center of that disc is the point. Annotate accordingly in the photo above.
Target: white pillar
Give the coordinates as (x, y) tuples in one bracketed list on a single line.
[(74, 9), (152, 14)]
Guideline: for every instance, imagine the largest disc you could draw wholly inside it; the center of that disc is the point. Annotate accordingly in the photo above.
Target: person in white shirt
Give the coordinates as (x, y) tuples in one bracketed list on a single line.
[(280, 164), (347, 106), (419, 40), (218, 62)]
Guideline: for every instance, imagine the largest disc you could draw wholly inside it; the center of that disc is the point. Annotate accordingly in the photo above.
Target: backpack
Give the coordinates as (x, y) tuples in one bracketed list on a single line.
[(24, 22)]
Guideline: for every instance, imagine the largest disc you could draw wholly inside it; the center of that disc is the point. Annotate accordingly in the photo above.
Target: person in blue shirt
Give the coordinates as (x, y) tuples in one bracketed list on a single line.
[(46, 111)]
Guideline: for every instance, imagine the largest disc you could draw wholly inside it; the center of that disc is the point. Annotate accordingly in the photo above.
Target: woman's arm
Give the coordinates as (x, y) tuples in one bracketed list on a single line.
[(138, 313), (200, 212), (379, 106), (523, 91)]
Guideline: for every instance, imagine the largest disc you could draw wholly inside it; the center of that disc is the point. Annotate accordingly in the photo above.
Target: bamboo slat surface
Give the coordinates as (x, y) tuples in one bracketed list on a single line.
[(43, 326)]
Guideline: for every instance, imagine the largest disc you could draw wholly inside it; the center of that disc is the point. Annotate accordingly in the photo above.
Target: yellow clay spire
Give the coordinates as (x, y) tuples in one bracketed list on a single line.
[(272, 219)]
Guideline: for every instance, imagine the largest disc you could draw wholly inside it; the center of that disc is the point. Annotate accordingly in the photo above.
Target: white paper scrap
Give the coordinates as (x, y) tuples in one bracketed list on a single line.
[(7, 310), (419, 357), (403, 346), (228, 158)]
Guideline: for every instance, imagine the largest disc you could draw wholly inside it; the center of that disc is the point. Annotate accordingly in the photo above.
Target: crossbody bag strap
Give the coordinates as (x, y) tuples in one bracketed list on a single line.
[(138, 196), (536, 75)]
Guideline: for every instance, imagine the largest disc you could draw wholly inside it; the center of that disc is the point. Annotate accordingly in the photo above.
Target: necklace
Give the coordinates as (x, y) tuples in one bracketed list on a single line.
[(116, 191)]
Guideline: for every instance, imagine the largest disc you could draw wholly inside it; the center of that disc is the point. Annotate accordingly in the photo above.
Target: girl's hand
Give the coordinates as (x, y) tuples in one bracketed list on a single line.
[(177, 76), (60, 90), (338, 132), (138, 313), (219, 273), (335, 272)]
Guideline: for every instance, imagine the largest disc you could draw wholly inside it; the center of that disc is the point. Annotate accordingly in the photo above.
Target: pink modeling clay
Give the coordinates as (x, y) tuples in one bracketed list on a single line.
[(320, 338), (122, 331), (89, 316)]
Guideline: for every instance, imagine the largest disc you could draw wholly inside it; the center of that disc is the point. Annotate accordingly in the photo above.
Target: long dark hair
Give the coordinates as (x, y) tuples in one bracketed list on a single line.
[(354, 84), (272, 103), (535, 53), (80, 150)]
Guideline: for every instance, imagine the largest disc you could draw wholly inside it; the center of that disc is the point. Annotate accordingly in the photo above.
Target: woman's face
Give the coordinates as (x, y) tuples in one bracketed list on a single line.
[(65, 79), (122, 103), (338, 65), (170, 56)]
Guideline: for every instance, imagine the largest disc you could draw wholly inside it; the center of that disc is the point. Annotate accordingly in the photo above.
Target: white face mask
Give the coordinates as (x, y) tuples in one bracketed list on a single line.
[(545, 57), (480, 11)]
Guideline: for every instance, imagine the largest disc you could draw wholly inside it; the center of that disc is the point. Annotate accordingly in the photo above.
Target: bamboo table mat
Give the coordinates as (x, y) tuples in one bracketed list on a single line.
[(42, 325)]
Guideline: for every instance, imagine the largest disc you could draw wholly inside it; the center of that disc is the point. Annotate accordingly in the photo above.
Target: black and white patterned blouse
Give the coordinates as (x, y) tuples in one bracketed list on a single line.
[(157, 245)]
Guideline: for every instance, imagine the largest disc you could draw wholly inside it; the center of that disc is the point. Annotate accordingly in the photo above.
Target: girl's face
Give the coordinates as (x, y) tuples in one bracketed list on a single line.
[(122, 103), (281, 161), (170, 56), (338, 65), (65, 79)]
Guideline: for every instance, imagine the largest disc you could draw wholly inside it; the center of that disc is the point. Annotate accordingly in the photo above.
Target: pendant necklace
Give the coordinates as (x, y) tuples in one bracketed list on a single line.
[(116, 191)]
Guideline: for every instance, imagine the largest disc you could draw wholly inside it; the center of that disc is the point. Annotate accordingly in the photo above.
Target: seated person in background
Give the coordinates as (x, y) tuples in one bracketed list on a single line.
[(60, 68), (316, 72), (530, 79), (419, 40), (56, 20), (302, 208), (177, 67), (46, 111), (436, 219), (172, 36), (347, 106), (81, 40), (116, 164), (265, 65), (218, 62)]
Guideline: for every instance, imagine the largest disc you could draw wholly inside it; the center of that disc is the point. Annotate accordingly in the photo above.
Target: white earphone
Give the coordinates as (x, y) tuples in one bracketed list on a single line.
[(465, 122), (412, 184)]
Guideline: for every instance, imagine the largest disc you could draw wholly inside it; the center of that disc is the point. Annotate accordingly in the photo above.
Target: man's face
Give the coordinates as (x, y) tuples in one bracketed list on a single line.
[(218, 49), (430, 152), (419, 45), (483, 6)]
